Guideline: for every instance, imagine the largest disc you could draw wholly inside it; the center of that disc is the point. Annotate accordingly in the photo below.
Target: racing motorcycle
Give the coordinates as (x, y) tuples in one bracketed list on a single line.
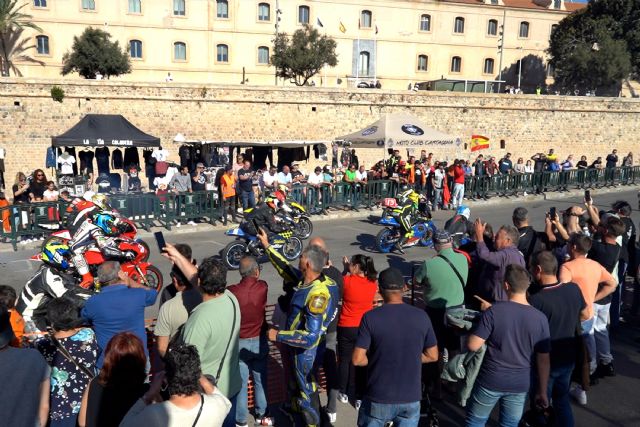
[(423, 232), (289, 245), (296, 216)]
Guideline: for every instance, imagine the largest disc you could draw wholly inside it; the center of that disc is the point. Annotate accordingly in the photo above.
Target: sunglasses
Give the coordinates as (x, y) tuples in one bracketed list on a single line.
[(39, 174)]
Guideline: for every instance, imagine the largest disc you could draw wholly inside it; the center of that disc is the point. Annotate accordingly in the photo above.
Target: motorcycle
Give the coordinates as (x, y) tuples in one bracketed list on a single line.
[(286, 243), (296, 216), (423, 232)]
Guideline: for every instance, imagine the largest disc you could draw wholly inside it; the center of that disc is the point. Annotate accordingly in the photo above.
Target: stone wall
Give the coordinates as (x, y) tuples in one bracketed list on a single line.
[(528, 124)]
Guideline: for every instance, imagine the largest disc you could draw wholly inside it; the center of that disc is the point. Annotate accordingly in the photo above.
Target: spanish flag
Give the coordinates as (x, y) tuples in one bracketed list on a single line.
[(342, 28), (479, 142)]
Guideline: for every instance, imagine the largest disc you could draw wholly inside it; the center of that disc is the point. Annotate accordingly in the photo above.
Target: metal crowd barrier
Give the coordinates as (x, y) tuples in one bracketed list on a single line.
[(148, 209)]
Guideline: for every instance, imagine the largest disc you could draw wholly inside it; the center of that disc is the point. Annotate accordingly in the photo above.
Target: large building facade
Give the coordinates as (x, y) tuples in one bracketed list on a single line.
[(230, 41)]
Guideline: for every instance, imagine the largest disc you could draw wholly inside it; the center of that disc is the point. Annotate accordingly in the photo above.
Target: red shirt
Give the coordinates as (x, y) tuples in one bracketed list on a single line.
[(251, 294), (458, 175), (357, 299)]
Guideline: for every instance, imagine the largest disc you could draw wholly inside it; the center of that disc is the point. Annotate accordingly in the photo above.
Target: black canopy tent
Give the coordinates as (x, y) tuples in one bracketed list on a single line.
[(105, 130)]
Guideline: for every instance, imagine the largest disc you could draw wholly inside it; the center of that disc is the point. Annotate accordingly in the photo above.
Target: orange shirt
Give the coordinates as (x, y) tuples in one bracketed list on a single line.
[(587, 274), (6, 222), (17, 324), (228, 184)]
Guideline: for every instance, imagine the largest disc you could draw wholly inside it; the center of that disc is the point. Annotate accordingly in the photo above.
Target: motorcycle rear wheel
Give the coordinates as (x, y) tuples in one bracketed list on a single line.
[(385, 240), (304, 228), (232, 253), (292, 249)]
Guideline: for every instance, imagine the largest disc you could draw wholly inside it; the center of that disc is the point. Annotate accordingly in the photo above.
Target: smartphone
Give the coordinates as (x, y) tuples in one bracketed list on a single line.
[(160, 241), (587, 195), (552, 212)]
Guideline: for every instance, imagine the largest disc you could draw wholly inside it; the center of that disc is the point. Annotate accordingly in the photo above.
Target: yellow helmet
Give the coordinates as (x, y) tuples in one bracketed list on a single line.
[(101, 201)]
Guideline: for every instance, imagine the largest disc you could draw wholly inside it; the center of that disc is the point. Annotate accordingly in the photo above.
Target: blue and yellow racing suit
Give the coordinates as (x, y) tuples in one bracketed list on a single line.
[(313, 306)]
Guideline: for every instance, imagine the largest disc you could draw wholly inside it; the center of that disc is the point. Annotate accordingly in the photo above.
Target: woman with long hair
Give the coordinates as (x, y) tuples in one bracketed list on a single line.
[(20, 189), (38, 185), (121, 382), (360, 287)]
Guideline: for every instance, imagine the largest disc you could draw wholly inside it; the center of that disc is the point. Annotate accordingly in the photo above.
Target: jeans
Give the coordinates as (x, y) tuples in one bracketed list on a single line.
[(330, 365), (458, 195), (558, 392), (598, 340), (248, 199), (253, 358), (374, 414), (437, 197), (483, 400)]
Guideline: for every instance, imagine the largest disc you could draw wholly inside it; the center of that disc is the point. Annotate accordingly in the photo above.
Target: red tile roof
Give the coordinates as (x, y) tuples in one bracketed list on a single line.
[(524, 4), (572, 7)]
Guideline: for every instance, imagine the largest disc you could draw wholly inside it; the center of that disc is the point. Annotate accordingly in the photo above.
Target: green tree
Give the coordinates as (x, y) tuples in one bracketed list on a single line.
[(12, 23), (93, 52), (597, 48), (304, 55)]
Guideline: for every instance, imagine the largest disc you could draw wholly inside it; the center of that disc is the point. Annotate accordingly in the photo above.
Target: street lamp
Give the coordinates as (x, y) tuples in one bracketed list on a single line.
[(519, 66)]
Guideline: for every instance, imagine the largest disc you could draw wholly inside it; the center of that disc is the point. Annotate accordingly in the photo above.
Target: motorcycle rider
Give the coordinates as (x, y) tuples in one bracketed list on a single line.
[(53, 280), (459, 226), (81, 209), (314, 304), (406, 212), (99, 229), (263, 214)]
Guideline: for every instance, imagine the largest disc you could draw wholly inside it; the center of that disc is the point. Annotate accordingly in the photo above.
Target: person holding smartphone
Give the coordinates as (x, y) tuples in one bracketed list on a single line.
[(245, 185)]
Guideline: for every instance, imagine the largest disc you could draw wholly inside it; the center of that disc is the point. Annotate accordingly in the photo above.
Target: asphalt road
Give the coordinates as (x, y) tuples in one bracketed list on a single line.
[(612, 403)]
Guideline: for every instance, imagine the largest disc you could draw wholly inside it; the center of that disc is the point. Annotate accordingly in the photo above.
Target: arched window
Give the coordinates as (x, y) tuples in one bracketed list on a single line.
[(365, 19), (488, 66), (222, 9), (492, 27), (88, 5), (458, 25), (40, 3), (456, 64), (264, 12), (222, 53), (42, 45), (303, 14), (135, 6), (363, 65), (524, 30), (180, 51), (557, 4), (263, 55), (423, 62), (179, 8), (135, 49), (425, 22)]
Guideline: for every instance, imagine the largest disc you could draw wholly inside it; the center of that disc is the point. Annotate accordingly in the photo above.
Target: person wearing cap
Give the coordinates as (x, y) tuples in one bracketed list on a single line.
[(394, 340), (198, 178), (443, 279), (24, 375), (228, 187)]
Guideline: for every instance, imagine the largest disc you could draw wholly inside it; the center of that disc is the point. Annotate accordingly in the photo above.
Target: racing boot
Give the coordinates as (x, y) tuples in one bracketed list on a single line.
[(307, 408), (83, 270), (402, 241)]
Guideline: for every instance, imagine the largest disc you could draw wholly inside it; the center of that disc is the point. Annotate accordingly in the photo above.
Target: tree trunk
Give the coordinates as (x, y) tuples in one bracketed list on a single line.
[(5, 57)]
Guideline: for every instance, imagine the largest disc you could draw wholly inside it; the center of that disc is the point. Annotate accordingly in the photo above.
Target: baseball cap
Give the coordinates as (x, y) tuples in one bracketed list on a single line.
[(442, 236), (391, 280), (6, 332)]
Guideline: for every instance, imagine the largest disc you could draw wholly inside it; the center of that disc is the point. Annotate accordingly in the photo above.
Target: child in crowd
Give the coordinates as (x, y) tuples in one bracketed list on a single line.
[(51, 194)]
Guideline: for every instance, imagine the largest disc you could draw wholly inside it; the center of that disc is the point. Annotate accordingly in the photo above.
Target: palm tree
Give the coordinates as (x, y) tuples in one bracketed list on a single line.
[(16, 51), (12, 23)]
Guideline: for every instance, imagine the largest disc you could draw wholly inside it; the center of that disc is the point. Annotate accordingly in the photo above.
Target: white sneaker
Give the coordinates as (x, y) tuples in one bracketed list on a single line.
[(333, 417), (524, 194), (179, 225), (192, 223), (579, 395), (343, 398), (358, 404)]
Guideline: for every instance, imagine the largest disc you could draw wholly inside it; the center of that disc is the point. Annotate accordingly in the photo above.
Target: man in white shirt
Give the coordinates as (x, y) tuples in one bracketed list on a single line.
[(438, 181), (316, 181), (361, 175), (285, 178), (270, 179)]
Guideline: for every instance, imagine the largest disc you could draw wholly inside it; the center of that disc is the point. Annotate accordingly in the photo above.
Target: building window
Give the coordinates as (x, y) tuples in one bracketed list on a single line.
[(40, 3), (423, 62), (365, 19), (492, 27), (180, 51), (494, 2), (222, 9), (303, 14), (88, 5), (425, 23), (179, 8), (264, 12), (363, 65), (557, 4), (524, 30), (135, 6), (263, 55), (488, 66), (222, 53), (458, 26), (42, 45), (135, 49), (456, 64)]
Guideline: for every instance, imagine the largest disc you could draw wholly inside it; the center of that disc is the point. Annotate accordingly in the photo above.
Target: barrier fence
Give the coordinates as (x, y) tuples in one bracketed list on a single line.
[(148, 209)]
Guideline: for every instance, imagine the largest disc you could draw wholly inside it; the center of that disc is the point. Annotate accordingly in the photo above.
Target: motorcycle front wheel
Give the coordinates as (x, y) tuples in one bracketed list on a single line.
[(386, 240), (153, 278), (427, 239), (232, 253), (292, 248), (304, 228)]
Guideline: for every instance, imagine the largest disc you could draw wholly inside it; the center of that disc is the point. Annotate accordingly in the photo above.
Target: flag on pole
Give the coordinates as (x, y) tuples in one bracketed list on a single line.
[(320, 23), (479, 142), (342, 28)]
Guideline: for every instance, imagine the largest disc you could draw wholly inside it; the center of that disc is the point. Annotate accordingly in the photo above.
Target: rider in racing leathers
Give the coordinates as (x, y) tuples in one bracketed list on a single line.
[(263, 214), (459, 226), (81, 209), (51, 281), (99, 229), (408, 203)]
